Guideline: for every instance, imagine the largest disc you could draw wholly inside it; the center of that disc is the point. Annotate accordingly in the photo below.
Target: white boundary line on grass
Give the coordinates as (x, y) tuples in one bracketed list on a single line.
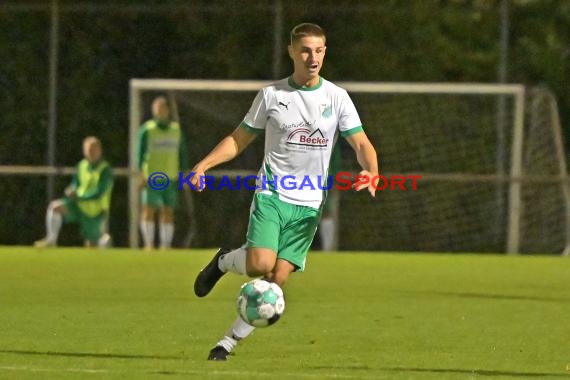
[(31, 369), (205, 371)]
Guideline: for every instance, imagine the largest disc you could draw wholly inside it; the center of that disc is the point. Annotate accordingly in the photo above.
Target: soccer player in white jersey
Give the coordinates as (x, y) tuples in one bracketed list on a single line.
[(302, 116)]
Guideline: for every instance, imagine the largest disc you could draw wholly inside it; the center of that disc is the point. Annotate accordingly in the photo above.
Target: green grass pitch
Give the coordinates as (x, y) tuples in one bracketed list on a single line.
[(76, 313)]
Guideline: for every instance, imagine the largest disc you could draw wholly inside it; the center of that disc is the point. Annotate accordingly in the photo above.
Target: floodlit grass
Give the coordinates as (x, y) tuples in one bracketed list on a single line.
[(75, 313)]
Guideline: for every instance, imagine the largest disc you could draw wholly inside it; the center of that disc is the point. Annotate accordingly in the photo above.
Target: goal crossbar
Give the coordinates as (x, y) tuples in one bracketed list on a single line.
[(362, 87)]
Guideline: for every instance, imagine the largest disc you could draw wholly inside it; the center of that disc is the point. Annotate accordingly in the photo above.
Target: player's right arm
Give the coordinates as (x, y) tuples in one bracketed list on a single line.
[(70, 190), (226, 150)]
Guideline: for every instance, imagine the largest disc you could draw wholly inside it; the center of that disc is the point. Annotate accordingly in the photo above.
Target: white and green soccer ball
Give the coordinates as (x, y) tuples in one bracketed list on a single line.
[(260, 303)]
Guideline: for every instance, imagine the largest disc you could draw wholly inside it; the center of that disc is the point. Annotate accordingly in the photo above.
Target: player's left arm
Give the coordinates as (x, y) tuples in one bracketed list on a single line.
[(105, 181), (368, 160)]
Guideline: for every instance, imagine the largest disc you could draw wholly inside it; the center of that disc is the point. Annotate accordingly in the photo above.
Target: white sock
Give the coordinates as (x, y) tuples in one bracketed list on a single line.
[(228, 343), (233, 261), (147, 230), (327, 233), (166, 234), (238, 331), (104, 241), (53, 225)]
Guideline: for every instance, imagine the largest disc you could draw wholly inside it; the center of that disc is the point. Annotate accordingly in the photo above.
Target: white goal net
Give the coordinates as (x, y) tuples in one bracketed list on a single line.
[(491, 157)]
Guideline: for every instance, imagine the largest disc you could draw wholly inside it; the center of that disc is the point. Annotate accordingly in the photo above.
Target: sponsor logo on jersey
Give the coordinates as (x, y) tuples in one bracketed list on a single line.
[(326, 110), (283, 105), (301, 124), (306, 137)]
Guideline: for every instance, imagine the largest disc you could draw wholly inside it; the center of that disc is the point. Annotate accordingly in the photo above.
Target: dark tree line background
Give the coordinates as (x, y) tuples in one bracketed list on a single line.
[(103, 44)]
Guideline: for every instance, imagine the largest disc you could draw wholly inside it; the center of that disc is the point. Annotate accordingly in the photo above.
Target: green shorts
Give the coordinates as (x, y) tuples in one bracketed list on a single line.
[(91, 228), (283, 227), (161, 198)]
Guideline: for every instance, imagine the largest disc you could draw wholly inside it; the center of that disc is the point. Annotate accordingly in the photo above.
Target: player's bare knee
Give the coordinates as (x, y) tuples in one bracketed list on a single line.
[(259, 266), (56, 206), (260, 261), (147, 213), (167, 215)]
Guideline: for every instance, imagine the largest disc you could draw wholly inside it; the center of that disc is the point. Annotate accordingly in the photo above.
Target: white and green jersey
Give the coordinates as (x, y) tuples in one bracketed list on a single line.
[(301, 126)]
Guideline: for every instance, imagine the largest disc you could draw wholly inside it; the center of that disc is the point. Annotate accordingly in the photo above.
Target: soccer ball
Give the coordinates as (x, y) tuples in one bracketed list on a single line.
[(260, 303)]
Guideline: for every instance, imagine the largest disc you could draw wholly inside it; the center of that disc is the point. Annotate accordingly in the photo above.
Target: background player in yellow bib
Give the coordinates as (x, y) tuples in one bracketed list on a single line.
[(161, 148), (302, 117), (87, 200)]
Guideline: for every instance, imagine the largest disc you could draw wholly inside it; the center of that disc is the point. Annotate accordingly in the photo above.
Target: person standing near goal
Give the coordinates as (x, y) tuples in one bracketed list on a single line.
[(87, 200), (161, 148), (302, 116)]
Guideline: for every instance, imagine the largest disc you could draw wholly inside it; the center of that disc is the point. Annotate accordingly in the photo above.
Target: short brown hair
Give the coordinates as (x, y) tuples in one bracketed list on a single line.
[(307, 29), (92, 140), (161, 99)]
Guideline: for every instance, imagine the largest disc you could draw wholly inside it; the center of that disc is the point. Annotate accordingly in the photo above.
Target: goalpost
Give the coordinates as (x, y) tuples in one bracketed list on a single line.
[(480, 179)]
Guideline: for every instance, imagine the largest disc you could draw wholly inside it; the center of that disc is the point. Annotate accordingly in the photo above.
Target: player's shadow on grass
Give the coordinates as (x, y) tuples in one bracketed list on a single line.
[(478, 372), (90, 355), (492, 296)]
